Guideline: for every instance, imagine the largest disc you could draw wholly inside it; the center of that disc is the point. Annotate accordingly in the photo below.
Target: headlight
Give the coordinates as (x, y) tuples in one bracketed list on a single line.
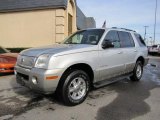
[(42, 61)]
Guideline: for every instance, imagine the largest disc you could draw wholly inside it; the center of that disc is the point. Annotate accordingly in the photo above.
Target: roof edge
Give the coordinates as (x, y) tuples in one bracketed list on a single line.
[(31, 8)]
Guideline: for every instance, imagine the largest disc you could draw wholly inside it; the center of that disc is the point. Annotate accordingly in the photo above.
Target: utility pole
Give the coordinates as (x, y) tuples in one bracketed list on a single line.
[(145, 32), (155, 22), (151, 40)]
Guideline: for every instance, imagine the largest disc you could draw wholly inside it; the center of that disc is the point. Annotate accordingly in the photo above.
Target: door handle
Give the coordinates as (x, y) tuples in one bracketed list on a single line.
[(120, 52)]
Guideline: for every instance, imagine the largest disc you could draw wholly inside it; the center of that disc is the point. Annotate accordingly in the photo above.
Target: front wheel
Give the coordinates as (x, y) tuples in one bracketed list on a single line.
[(75, 88), (137, 72)]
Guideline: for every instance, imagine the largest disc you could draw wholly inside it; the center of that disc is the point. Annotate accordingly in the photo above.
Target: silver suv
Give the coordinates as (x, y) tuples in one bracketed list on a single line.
[(91, 57)]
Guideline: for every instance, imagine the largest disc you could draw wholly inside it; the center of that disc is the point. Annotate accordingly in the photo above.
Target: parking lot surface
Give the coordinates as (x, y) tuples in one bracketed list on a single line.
[(123, 100)]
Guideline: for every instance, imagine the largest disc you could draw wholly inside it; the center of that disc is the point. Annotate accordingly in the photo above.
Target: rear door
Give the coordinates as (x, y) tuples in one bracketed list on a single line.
[(129, 50)]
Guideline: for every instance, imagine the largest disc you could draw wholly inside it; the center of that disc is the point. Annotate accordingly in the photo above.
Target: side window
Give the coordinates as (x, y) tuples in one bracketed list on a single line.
[(126, 39), (113, 37), (140, 40), (77, 38)]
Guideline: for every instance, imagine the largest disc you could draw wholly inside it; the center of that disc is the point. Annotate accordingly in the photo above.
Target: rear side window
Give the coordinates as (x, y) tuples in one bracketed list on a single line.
[(140, 40), (126, 39), (113, 37)]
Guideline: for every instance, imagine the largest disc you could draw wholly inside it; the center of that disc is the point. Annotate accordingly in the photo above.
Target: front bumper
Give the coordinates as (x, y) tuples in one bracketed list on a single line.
[(6, 68), (24, 77)]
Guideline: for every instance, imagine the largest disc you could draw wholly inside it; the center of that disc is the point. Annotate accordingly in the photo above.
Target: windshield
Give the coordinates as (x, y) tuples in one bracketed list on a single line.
[(3, 50), (91, 37)]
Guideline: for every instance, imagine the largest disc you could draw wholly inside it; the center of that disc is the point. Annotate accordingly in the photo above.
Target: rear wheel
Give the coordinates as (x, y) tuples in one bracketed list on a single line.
[(138, 71), (75, 87)]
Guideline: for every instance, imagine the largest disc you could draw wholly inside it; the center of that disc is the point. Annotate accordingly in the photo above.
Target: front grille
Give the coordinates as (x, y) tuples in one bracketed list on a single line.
[(21, 76), (26, 61)]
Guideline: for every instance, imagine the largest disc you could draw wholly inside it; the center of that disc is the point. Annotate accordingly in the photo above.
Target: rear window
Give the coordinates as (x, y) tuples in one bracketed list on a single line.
[(140, 40)]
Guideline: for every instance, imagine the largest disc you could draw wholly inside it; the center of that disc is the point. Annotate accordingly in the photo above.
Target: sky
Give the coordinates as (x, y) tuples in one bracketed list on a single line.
[(131, 14)]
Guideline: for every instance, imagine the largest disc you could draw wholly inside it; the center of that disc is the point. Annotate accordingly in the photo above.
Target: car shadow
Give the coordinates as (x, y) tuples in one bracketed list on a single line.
[(5, 74), (22, 99), (130, 102)]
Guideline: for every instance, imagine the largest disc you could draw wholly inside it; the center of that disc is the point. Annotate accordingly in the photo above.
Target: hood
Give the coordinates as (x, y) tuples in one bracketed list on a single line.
[(8, 57), (58, 49)]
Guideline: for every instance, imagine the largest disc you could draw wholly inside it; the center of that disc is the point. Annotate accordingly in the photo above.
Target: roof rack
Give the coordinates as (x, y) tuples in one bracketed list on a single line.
[(124, 29)]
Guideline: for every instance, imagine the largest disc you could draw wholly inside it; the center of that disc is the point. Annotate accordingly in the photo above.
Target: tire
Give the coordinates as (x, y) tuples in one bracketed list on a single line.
[(75, 87), (137, 72)]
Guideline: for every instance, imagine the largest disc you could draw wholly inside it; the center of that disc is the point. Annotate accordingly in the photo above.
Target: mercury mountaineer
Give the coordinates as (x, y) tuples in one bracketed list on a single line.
[(88, 58)]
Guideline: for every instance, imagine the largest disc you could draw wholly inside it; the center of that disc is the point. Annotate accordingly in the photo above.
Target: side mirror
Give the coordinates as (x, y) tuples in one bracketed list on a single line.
[(107, 44)]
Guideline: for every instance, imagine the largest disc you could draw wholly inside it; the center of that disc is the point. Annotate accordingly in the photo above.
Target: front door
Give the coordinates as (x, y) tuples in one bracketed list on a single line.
[(112, 60)]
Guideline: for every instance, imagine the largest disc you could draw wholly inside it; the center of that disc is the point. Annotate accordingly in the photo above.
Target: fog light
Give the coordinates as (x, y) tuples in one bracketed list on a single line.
[(34, 80)]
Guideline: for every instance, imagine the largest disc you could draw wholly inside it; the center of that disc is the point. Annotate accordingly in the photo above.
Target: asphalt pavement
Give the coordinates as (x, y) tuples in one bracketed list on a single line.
[(123, 100)]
